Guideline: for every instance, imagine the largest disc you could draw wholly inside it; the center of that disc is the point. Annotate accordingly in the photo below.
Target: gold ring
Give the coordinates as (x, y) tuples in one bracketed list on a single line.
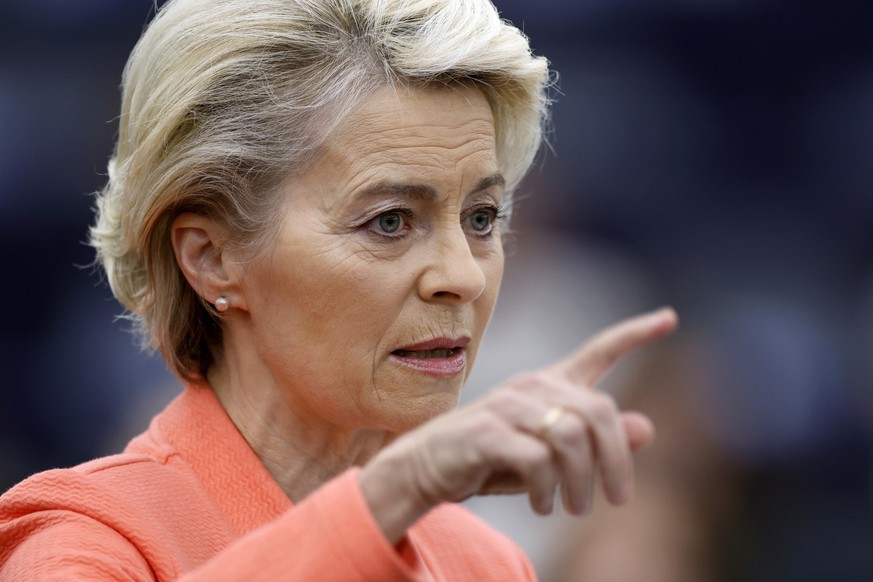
[(549, 420)]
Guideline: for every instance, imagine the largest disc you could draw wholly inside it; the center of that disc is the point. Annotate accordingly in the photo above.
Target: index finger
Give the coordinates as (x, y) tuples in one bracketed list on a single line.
[(597, 355)]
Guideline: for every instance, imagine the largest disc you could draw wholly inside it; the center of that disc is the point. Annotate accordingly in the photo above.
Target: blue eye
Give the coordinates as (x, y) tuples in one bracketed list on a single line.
[(390, 222), (481, 221), (390, 225)]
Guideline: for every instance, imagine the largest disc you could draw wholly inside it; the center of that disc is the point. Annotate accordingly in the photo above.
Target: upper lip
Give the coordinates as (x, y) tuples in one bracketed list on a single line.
[(440, 343)]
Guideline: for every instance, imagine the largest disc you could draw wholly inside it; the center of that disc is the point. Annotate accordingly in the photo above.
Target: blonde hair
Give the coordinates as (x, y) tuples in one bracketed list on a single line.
[(225, 99)]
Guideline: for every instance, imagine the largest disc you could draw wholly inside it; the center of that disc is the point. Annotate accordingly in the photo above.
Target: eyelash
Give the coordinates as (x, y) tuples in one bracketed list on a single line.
[(405, 213), (498, 214)]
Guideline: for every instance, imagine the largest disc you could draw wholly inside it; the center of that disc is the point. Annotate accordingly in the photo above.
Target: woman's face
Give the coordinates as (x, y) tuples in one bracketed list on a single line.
[(370, 308)]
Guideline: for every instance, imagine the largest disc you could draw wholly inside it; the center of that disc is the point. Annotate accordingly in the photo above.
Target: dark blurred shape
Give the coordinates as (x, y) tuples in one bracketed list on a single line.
[(70, 376)]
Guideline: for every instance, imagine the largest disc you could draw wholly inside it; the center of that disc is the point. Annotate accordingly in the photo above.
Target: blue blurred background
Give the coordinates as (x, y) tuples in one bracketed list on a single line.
[(716, 155)]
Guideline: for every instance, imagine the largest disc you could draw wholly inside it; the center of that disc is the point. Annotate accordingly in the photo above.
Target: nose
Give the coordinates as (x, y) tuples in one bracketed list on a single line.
[(453, 275)]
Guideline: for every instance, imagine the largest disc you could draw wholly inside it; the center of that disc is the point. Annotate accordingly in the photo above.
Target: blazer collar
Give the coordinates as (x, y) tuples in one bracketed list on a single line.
[(203, 435)]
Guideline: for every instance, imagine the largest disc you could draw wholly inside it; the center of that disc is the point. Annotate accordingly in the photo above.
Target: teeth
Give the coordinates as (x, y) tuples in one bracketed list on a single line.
[(438, 353)]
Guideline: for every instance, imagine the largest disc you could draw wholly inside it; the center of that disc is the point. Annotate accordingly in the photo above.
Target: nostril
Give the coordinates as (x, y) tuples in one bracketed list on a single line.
[(446, 295)]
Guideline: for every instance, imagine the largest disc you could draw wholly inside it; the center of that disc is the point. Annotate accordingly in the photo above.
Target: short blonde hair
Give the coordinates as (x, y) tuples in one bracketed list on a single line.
[(225, 99)]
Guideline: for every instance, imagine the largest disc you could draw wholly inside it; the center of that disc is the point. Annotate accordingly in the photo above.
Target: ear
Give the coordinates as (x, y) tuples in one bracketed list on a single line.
[(200, 247)]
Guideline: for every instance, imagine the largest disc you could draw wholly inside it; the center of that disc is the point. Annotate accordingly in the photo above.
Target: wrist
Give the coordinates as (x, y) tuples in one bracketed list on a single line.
[(391, 493)]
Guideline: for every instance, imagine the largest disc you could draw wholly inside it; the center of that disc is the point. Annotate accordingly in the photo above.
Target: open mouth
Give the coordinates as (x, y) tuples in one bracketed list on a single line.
[(441, 357), (426, 354)]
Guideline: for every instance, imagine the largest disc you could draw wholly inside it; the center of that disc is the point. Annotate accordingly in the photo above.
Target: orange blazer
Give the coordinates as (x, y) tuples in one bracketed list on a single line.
[(189, 499)]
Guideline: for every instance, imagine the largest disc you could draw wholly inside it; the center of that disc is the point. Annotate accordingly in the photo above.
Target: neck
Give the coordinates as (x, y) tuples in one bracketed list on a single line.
[(299, 449)]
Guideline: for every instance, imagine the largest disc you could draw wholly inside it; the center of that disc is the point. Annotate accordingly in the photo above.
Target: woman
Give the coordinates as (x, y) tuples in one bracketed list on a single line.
[(304, 216)]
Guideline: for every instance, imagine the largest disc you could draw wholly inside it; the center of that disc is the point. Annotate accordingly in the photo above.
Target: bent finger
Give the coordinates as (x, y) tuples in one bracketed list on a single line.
[(639, 430), (610, 444), (520, 457), (575, 455)]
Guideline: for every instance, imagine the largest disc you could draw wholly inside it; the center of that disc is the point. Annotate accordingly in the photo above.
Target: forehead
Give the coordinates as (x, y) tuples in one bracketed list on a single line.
[(419, 111), (435, 135)]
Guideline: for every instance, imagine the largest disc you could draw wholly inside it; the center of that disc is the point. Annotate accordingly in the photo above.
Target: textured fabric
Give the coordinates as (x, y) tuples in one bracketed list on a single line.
[(190, 500)]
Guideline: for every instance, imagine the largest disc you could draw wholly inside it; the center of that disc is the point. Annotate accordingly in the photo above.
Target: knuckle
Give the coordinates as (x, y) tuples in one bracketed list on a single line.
[(536, 460), (571, 430), (509, 400), (602, 409), (530, 381), (488, 426)]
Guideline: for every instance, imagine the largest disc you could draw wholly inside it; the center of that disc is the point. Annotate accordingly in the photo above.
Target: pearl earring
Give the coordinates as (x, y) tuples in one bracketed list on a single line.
[(222, 304)]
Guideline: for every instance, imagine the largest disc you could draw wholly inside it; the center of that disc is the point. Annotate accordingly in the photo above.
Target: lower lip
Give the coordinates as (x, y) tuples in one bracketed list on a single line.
[(439, 367)]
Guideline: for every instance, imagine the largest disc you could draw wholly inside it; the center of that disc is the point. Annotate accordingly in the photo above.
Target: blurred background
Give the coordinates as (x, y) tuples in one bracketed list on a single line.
[(715, 155)]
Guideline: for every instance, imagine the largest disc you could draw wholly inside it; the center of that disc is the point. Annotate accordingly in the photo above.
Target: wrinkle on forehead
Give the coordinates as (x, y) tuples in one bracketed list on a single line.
[(409, 116), (415, 135)]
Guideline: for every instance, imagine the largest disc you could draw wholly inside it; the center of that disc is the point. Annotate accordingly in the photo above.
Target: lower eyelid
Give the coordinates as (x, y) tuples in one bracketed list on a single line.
[(403, 233), (483, 235)]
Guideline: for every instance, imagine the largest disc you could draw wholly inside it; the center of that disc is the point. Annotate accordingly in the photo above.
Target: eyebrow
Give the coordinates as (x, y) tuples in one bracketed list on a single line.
[(489, 182), (423, 191)]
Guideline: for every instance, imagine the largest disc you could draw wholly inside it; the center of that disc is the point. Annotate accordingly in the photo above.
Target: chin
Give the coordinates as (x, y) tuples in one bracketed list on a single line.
[(413, 414)]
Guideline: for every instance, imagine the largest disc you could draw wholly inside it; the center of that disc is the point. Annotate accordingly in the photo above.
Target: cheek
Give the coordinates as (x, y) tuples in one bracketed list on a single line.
[(483, 306), (343, 294), (493, 268)]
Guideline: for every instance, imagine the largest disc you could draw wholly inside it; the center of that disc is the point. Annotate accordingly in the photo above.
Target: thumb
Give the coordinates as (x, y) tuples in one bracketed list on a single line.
[(639, 430)]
